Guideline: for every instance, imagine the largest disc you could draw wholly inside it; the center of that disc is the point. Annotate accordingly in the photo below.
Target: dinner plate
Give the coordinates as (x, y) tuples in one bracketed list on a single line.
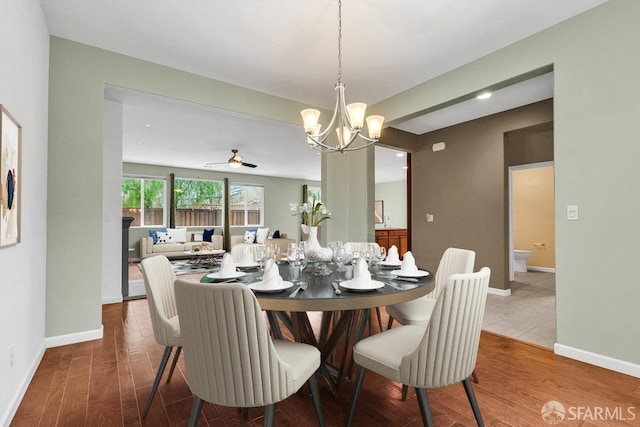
[(246, 265), (372, 286), (391, 263), (419, 273), (218, 276), (259, 287)]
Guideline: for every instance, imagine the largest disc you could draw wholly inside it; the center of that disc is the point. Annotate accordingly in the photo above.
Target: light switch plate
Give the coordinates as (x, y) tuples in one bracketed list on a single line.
[(572, 212), (429, 217)]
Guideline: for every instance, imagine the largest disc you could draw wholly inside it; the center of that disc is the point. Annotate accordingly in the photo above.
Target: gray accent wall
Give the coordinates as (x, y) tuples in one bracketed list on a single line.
[(464, 187)]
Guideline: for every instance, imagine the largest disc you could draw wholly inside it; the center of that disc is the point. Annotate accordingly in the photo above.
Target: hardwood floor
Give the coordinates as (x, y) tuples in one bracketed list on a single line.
[(106, 383)]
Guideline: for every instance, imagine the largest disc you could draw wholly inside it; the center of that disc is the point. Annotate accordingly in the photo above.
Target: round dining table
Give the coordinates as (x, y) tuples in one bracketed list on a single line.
[(341, 308)]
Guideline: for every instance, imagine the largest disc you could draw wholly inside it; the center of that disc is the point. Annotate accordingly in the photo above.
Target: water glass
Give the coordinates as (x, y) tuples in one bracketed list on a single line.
[(292, 254), (340, 257), (260, 255)]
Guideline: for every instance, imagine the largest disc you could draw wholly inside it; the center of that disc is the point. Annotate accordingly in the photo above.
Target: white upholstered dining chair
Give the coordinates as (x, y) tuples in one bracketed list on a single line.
[(158, 282), (230, 358), (418, 311), (440, 354)]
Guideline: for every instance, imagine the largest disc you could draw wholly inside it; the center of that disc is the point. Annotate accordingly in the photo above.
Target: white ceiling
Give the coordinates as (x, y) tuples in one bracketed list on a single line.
[(288, 48)]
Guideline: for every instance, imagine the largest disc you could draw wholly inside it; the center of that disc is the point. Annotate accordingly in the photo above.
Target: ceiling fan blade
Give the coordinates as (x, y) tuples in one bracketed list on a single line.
[(249, 165), (213, 164)]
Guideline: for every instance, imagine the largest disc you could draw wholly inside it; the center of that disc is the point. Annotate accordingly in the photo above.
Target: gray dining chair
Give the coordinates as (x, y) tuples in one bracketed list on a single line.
[(438, 355), (158, 282), (230, 357)]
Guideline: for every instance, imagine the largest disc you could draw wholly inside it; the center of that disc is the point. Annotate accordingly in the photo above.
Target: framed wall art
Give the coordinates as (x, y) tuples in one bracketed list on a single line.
[(378, 211), (10, 178)]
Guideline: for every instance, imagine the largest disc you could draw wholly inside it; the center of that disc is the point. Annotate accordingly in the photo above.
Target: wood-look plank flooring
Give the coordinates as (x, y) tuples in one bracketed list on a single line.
[(106, 383)]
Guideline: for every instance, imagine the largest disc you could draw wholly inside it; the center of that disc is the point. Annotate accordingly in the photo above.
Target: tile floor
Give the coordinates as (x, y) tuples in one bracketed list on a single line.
[(529, 313)]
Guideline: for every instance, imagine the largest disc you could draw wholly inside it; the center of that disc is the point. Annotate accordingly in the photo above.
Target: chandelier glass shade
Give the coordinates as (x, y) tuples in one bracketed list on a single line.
[(348, 119)]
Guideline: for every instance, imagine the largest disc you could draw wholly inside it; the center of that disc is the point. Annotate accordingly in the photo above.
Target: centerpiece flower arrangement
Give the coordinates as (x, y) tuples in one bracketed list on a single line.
[(313, 213)]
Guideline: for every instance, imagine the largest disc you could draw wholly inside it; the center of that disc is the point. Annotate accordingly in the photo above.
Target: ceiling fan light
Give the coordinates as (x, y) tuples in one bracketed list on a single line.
[(356, 112), (234, 163), (374, 124), (310, 118)]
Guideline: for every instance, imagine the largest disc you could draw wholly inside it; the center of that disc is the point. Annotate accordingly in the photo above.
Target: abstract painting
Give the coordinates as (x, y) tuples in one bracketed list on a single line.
[(10, 183)]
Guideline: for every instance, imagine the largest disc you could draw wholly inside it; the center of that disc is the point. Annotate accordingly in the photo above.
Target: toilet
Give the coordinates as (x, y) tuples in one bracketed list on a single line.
[(520, 258)]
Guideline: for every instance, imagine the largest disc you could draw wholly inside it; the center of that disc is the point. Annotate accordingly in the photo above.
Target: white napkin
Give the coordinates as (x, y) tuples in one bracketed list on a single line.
[(227, 266), (408, 264), (247, 257), (271, 277), (392, 255), (361, 275)]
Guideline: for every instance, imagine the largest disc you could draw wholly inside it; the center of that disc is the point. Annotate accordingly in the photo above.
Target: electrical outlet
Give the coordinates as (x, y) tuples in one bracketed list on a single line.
[(11, 355)]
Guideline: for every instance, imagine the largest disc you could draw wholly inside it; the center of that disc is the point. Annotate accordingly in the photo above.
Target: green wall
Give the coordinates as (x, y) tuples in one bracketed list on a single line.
[(278, 193), (78, 74), (596, 153)]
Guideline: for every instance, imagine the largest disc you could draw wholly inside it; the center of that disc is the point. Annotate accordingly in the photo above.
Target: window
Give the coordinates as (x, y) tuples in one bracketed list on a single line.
[(143, 199), (198, 202), (247, 203)]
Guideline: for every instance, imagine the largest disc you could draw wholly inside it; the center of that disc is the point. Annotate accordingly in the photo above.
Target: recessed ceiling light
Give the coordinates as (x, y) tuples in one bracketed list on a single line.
[(485, 95), (147, 125), (399, 154)]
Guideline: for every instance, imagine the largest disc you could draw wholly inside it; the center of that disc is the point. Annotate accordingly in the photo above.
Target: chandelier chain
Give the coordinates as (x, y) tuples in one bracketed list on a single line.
[(339, 41)]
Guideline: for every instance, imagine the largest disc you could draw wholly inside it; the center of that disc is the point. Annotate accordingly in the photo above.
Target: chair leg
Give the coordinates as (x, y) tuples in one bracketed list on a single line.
[(472, 400), (474, 377), (405, 389), (356, 393), (379, 318), (156, 382), (390, 322), (313, 385), (195, 411), (424, 407), (174, 363), (269, 415)]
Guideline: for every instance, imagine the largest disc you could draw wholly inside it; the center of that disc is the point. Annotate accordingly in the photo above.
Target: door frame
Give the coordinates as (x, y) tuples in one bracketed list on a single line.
[(510, 174)]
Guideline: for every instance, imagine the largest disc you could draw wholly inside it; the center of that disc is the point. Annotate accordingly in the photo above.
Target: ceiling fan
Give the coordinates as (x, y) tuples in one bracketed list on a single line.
[(235, 161)]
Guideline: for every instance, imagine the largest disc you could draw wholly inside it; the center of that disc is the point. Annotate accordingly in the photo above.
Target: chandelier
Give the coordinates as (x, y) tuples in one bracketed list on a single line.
[(348, 119)]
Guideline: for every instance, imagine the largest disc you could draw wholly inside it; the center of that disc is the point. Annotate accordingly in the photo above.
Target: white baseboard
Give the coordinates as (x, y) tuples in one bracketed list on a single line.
[(543, 269), (598, 360), (501, 292), (112, 300), (83, 336), (14, 402)]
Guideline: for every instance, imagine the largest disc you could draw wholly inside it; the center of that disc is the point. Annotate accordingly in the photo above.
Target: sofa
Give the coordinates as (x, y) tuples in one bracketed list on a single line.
[(175, 249)]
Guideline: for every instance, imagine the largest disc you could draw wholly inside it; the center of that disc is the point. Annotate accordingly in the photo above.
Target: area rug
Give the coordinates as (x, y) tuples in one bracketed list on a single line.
[(183, 266)]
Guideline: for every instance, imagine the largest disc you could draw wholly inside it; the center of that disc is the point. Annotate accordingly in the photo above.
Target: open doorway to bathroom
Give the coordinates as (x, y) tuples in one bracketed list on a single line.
[(528, 314)]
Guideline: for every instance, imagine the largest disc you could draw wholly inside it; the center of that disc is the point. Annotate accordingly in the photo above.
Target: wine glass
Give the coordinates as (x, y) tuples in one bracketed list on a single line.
[(301, 263), (260, 255), (275, 251), (340, 257), (380, 254)]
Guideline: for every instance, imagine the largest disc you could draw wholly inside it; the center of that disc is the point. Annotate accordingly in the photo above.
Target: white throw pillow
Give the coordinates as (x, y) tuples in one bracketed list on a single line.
[(164, 237), (262, 235), (179, 234), (197, 237), (249, 236)]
